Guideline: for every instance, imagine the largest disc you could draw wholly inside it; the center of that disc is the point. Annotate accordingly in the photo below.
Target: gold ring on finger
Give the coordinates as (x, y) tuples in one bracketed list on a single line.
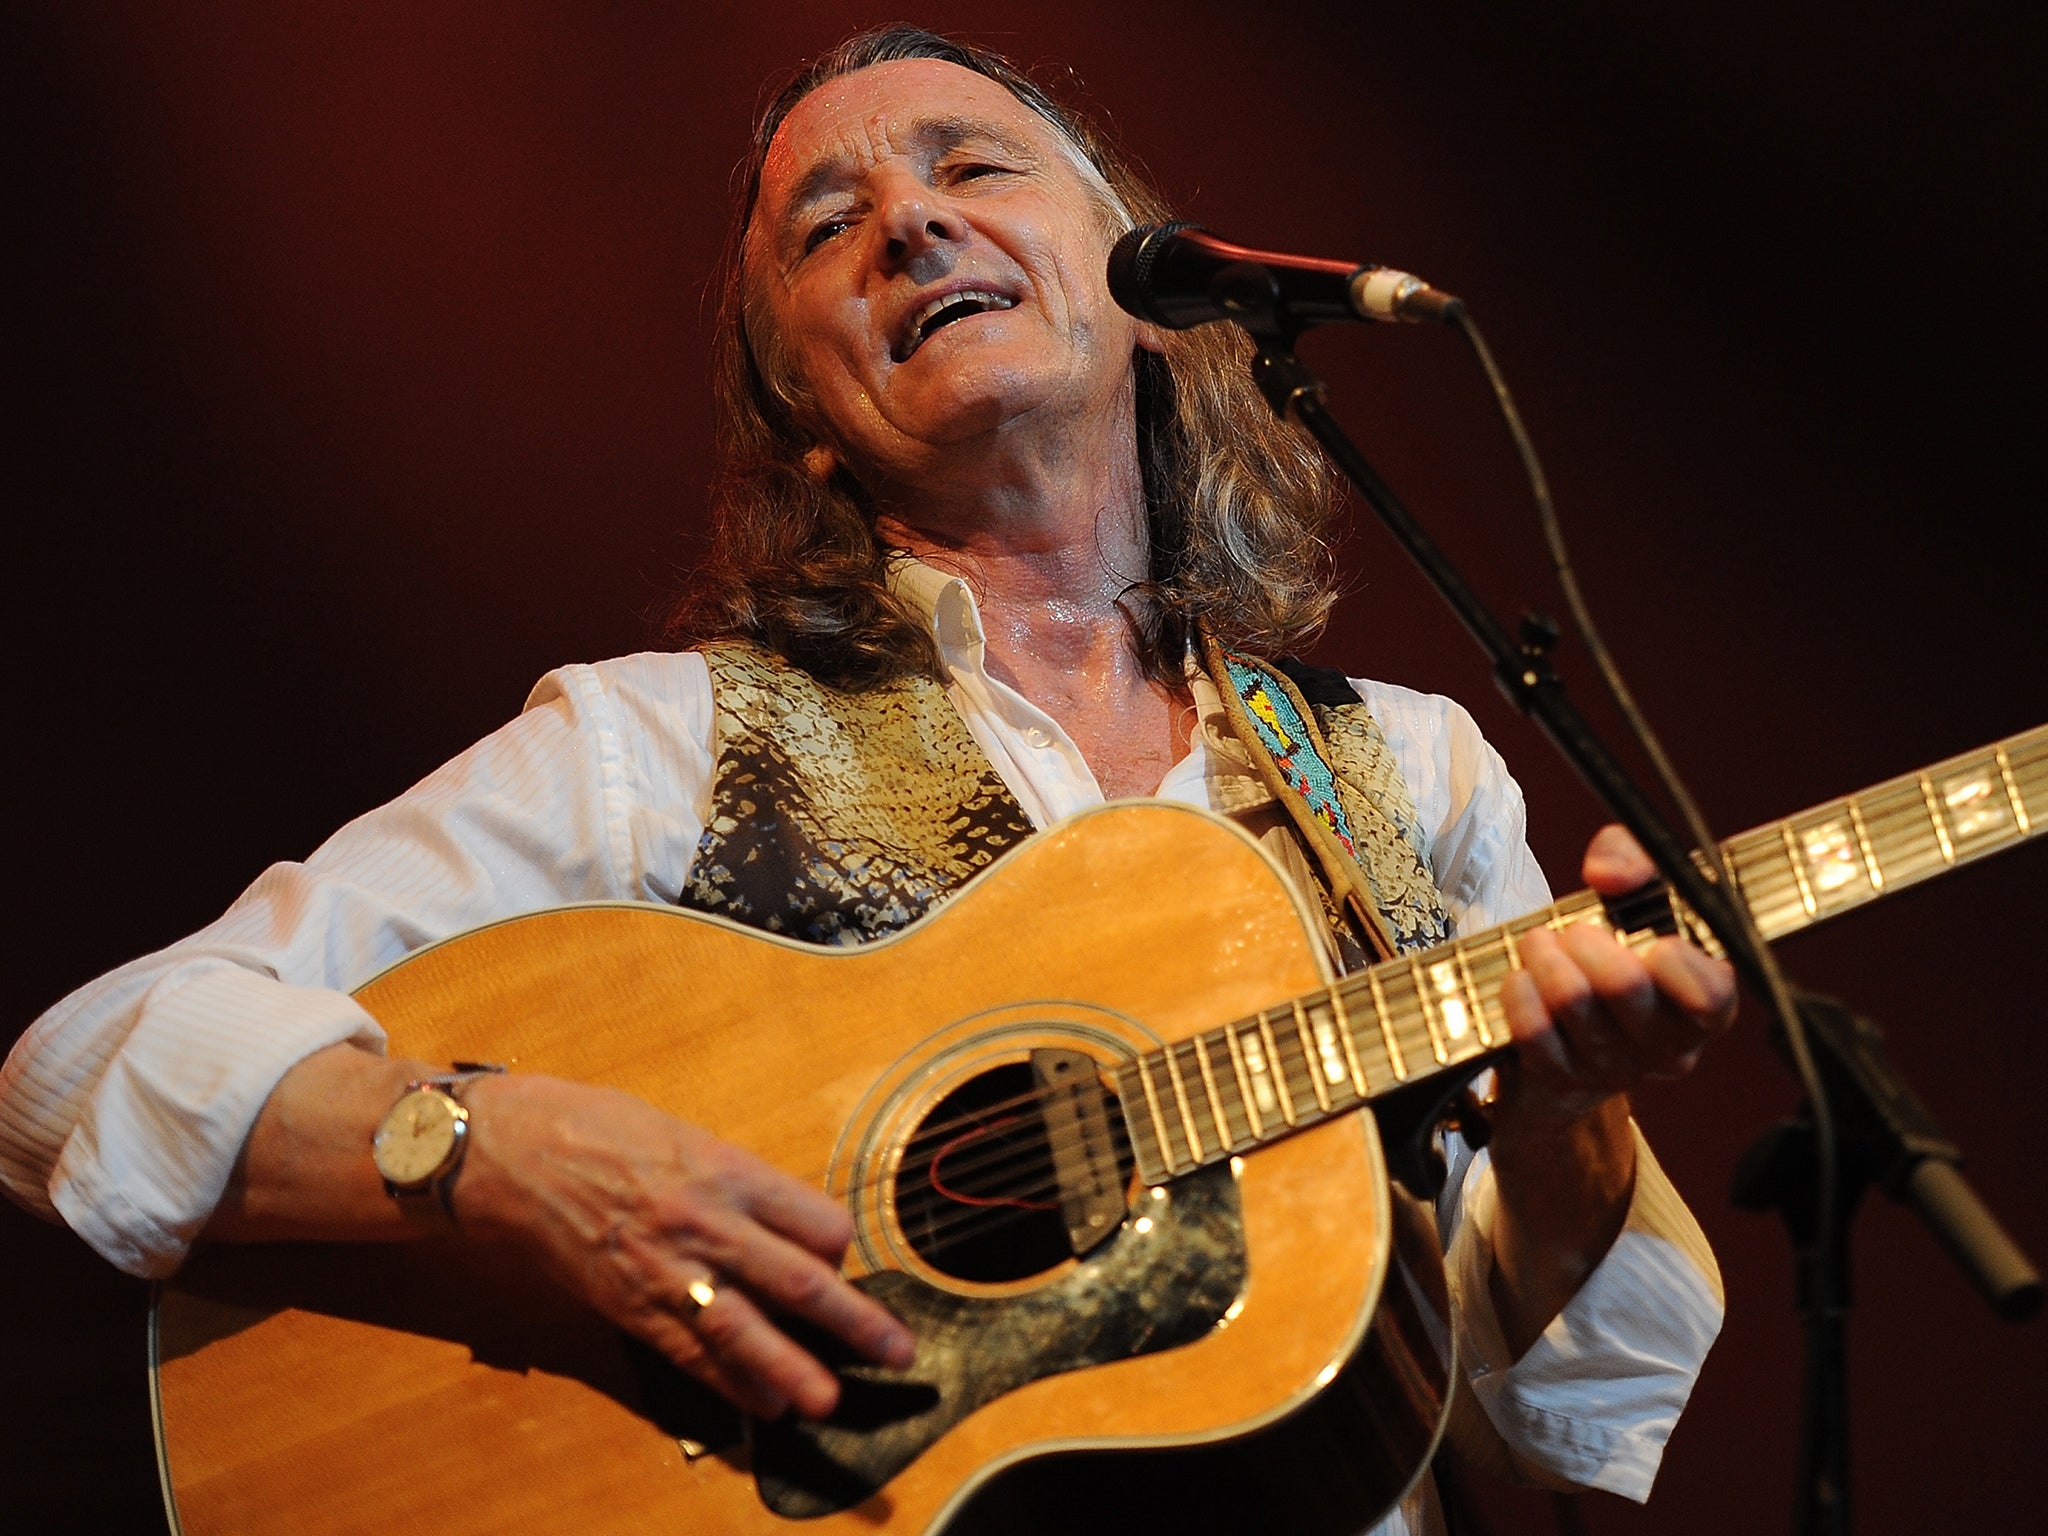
[(698, 1295)]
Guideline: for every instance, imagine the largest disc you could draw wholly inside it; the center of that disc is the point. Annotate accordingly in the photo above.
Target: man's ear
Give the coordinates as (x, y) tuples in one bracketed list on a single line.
[(1151, 337), (820, 462)]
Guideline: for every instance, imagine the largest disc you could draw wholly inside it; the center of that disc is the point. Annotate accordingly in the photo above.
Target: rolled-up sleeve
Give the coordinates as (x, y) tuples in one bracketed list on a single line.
[(123, 1109), (1593, 1401)]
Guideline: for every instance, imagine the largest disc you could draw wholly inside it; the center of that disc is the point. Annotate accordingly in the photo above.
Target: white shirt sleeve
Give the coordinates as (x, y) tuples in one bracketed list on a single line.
[(1594, 1400), (123, 1108)]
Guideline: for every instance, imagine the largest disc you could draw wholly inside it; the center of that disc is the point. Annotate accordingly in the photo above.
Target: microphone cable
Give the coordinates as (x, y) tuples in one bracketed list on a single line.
[(1827, 1165)]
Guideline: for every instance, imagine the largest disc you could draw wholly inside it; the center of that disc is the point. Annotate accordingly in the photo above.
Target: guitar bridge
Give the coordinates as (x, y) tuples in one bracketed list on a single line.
[(1076, 1112)]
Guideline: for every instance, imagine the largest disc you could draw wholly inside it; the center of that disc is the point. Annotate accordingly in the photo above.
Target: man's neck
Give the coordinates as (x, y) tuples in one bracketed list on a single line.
[(1051, 551)]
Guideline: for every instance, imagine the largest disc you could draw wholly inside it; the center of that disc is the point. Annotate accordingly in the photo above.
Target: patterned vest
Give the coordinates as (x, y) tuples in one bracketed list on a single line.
[(840, 817)]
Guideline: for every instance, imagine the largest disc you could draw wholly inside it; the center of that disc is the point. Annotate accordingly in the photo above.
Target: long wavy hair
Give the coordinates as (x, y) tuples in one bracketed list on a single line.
[(1238, 505)]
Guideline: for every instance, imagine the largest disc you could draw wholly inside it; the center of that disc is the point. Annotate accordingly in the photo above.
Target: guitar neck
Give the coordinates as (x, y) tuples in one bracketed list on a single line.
[(1238, 1087)]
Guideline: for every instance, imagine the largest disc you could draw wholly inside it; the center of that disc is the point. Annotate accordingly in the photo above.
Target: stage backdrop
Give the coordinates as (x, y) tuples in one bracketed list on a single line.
[(359, 357)]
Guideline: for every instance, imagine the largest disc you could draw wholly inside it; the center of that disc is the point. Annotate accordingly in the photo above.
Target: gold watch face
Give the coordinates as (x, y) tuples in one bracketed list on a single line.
[(417, 1137)]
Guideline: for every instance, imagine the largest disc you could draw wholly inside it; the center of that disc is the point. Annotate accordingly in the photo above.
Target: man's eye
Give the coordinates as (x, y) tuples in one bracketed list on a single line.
[(975, 170), (824, 230)]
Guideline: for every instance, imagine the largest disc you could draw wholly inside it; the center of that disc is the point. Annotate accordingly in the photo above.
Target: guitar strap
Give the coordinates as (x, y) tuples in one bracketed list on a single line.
[(1359, 823)]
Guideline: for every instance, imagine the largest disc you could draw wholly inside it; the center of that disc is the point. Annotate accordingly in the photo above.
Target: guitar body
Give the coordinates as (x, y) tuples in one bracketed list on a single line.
[(1233, 1321)]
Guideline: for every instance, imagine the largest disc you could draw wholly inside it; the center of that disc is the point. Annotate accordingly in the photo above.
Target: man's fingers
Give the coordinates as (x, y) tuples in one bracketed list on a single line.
[(1615, 862), (1588, 1006), (1695, 982), (714, 1319), (781, 1277), (749, 1241), (770, 1367), (1537, 1041), (755, 1186), (791, 1280), (675, 1339), (806, 1216)]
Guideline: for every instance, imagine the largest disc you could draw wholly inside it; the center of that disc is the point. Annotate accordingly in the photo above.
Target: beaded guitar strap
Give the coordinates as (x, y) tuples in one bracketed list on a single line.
[(1368, 856)]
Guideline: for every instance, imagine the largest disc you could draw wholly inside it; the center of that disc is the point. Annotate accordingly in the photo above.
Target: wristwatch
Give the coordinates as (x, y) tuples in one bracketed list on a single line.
[(419, 1144)]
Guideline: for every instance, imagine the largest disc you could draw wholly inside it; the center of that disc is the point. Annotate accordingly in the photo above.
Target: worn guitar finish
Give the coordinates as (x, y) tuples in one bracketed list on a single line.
[(1249, 1308)]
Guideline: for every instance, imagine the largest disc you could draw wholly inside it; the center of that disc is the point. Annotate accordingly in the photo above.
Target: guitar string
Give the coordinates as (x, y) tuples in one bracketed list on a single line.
[(1405, 1016), (1774, 879), (989, 1218), (1299, 1076), (1216, 1111), (1769, 877), (1022, 1201), (956, 1222)]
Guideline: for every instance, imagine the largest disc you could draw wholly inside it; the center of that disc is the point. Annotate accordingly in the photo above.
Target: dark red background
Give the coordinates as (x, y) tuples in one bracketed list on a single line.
[(360, 360)]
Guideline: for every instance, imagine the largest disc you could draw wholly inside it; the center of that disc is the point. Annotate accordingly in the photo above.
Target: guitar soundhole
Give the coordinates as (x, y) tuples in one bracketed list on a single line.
[(977, 1194)]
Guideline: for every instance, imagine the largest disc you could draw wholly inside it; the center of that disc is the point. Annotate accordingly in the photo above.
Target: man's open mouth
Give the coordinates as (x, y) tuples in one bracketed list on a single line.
[(943, 311)]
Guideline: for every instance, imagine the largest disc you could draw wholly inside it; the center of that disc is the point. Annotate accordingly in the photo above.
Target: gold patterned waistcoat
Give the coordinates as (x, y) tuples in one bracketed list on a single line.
[(838, 817)]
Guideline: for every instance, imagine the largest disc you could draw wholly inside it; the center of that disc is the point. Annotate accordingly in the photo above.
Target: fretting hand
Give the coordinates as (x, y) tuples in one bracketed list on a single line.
[(1592, 1020)]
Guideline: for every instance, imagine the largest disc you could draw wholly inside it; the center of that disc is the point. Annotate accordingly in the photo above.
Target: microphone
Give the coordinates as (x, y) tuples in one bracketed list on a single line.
[(1179, 275)]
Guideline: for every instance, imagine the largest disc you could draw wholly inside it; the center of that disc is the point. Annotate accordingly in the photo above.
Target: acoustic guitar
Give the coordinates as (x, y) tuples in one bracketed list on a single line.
[(1094, 1121)]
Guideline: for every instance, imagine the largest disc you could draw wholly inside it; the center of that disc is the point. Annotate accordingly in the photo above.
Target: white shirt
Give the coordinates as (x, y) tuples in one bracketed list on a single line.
[(123, 1108)]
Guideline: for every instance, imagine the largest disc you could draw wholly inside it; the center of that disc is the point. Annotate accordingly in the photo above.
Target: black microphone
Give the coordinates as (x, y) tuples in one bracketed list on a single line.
[(1179, 275)]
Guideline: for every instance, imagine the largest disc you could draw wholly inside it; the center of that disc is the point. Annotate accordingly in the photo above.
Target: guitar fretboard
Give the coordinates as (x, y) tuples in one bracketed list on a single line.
[(1286, 1068)]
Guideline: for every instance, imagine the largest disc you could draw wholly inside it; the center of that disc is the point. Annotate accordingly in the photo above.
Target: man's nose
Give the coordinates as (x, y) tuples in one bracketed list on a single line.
[(918, 225)]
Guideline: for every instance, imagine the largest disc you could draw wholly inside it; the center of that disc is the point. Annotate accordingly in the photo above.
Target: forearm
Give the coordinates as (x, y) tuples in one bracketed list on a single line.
[(306, 1171), (1562, 1192)]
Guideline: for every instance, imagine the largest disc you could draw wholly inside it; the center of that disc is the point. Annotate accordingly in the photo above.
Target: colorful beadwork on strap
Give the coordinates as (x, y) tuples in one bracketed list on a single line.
[(1287, 737)]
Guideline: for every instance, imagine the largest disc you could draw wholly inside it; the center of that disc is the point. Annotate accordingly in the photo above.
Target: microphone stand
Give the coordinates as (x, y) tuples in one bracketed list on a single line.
[(1885, 1129), (1887, 1138)]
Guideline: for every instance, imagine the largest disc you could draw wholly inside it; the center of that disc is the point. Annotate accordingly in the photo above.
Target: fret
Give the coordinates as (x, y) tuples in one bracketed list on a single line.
[(1152, 1164), (1491, 960), (1341, 1016), (2012, 791), (1326, 1043), (1225, 1135), (1276, 1071), (1948, 850), (1296, 1069), (1246, 1096), (1870, 864), (1836, 867), (1395, 1059), (1429, 1020), (1472, 994), (1180, 1100), (1166, 1153), (1446, 997), (1902, 833), (1798, 869), (1258, 1059), (1397, 987), (1770, 883), (2030, 777), (1976, 808), (1311, 1056), (1731, 868)]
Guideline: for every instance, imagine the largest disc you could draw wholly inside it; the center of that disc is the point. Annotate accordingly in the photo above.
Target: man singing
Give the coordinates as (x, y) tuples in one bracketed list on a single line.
[(982, 539)]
